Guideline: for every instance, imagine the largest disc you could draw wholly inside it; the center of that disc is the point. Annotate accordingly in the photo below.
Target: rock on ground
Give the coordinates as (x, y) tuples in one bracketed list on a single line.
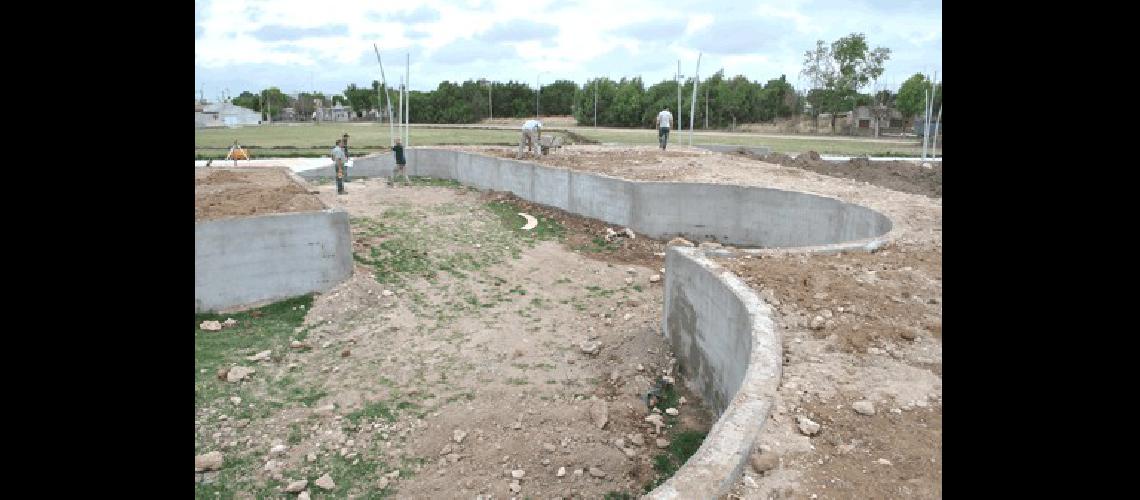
[(325, 482), (599, 414), (297, 486), (209, 461), (807, 426), (238, 373), (864, 407), (764, 462)]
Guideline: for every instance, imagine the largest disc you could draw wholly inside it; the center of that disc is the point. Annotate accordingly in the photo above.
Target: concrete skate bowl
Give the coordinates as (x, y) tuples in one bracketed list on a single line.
[(743, 216), (720, 330)]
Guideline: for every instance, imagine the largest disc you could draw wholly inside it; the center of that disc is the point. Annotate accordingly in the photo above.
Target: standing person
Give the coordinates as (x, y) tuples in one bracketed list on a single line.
[(531, 134), (664, 122), (338, 164), (401, 163), (347, 156)]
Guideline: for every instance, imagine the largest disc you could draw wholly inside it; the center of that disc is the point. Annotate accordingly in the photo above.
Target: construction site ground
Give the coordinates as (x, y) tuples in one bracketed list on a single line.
[(495, 350), (450, 363), (235, 192)]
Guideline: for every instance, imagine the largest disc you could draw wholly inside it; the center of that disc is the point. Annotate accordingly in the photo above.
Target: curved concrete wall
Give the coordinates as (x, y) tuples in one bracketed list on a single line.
[(729, 353), (247, 260), (737, 215)]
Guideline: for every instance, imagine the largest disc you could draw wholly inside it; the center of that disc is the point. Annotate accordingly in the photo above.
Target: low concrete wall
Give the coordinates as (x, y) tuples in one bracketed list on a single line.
[(736, 215), (730, 353), (248, 260)]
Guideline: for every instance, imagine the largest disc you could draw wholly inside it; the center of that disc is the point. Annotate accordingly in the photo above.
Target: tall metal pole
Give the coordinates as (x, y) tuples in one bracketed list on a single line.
[(934, 145), (595, 103), (706, 108), (400, 107), (388, 99), (693, 105), (490, 103), (925, 106), (537, 93), (407, 99), (678, 80)]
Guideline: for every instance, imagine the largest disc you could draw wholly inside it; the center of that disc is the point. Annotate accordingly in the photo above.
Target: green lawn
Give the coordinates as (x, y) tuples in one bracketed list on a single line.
[(778, 143), (315, 140)]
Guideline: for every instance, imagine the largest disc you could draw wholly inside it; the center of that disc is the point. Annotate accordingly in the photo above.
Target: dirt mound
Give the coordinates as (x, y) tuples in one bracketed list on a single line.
[(810, 155), (898, 175), (222, 177), (236, 193)]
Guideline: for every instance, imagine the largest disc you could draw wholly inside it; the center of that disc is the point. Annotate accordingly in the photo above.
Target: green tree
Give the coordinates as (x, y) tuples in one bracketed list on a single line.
[(247, 100), (360, 99), (558, 97), (841, 69), (910, 99)]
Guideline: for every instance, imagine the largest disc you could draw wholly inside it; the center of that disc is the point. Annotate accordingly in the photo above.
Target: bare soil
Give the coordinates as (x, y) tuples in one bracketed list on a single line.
[(878, 338), (493, 353), (221, 192), (905, 176)]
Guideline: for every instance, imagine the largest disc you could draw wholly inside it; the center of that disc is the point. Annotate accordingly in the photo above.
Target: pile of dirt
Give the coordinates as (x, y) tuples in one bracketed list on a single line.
[(864, 298), (222, 192), (904, 176)]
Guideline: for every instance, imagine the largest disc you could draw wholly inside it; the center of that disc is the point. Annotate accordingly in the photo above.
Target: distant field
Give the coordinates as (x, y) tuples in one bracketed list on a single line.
[(316, 140), (778, 143)]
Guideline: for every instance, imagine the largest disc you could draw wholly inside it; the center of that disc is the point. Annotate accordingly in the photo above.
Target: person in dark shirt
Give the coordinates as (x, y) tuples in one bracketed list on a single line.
[(401, 162), (347, 157)]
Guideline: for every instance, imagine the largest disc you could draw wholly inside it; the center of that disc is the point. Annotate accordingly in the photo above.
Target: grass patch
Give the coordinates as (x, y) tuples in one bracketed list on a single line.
[(270, 327), (508, 214), (597, 245), (378, 410), (433, 182), (682, 446)]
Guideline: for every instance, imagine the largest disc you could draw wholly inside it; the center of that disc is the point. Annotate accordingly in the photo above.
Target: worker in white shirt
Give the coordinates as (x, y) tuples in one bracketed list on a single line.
[(531, 134), (664, 122)]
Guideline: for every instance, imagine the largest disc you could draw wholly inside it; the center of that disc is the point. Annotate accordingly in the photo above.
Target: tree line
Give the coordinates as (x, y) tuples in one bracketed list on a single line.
[(836, 74)]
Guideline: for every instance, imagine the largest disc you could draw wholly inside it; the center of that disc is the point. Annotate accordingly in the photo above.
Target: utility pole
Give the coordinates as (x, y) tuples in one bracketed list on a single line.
[(678, 80), (388, 98), (693, 104), (400, 107), (490, 103), (407, 98), (595, 103)]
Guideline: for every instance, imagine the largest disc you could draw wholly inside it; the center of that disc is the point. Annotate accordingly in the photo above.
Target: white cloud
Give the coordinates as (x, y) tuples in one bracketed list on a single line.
[(296, 44)]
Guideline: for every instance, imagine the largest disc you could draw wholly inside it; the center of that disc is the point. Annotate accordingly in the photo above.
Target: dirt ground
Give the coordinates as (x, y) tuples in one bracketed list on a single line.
[(904, 176), (235, 192), (879, 333), (856, 327), (481, 371), (496, 353)]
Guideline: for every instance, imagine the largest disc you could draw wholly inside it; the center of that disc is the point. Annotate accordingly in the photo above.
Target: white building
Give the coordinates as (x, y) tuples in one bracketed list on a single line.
[(225, 114)]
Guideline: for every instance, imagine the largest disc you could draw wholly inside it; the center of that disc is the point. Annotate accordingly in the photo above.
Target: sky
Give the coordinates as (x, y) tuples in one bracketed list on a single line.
[(301, 45)]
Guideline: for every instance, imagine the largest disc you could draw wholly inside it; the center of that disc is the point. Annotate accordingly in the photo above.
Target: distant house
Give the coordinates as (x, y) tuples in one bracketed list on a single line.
[(337, 113), (862, 119), (225, 114), (287, 114)]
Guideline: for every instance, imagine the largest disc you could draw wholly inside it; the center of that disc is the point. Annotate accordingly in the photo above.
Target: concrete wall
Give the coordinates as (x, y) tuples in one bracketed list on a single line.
[(737, 215), (730, 353), (247, 260)]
